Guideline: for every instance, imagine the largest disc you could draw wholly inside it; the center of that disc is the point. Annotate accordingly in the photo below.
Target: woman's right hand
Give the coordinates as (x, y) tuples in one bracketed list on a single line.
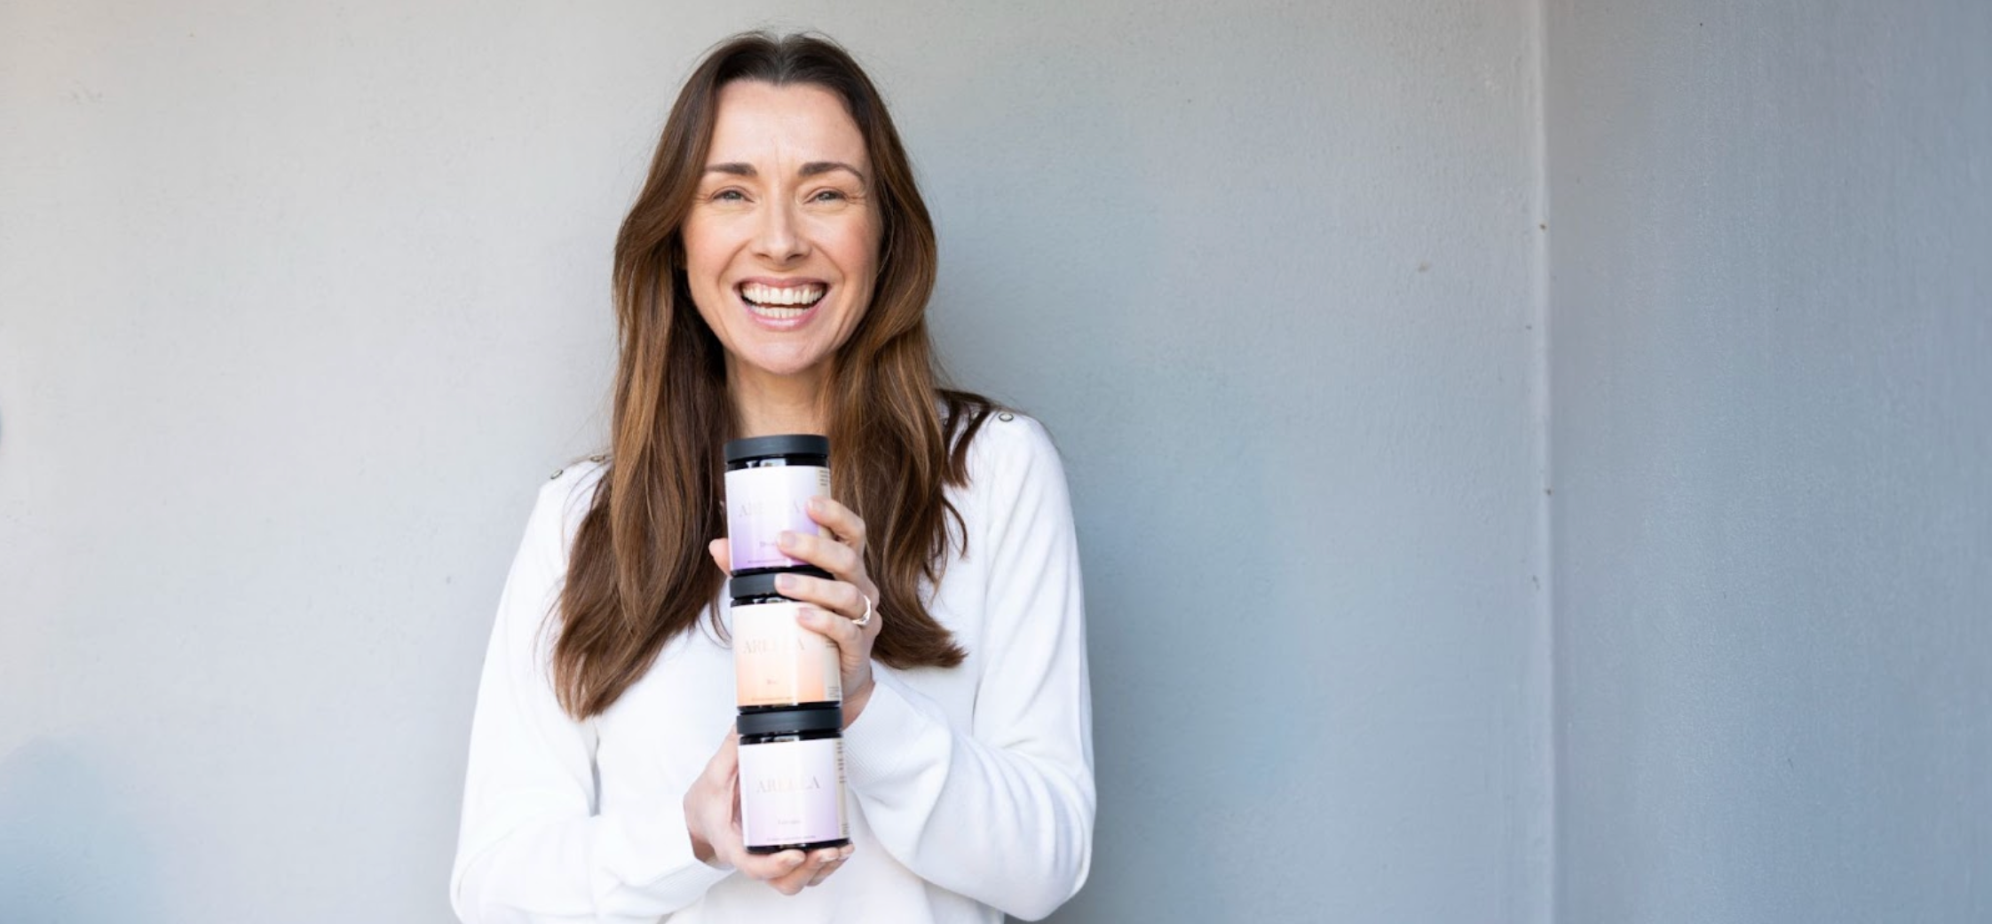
[(712, 817)]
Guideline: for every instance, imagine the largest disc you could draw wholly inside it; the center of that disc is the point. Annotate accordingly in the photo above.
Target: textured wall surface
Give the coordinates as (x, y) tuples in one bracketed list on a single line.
[(298, 303), (1771, 345)]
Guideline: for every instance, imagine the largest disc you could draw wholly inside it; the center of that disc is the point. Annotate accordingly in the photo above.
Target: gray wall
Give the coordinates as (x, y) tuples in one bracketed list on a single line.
[(299, 303), (1772, 366)]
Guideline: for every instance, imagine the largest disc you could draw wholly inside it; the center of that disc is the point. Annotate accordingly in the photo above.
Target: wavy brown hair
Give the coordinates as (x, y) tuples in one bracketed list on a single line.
[(639, 574)]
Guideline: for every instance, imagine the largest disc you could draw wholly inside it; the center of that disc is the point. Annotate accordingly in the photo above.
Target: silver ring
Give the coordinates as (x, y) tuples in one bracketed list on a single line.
[(861, 622)]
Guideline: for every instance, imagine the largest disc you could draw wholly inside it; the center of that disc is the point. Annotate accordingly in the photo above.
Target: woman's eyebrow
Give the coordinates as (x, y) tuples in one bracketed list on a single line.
[(818, 167)]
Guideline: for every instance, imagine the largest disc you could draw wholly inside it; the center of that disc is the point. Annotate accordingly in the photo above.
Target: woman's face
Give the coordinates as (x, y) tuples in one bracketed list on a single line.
[(781, 246)]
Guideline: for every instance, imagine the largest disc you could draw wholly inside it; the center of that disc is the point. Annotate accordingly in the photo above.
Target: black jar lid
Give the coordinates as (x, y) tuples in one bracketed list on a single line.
[(785, 444), (791, 721), (762, 583)]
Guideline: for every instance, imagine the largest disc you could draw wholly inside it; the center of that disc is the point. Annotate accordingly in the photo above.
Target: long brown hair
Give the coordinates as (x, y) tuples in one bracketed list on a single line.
[(639, 574)]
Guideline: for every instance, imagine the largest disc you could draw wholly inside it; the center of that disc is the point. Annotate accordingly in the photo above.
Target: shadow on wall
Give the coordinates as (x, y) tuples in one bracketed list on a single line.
[(70, 849)]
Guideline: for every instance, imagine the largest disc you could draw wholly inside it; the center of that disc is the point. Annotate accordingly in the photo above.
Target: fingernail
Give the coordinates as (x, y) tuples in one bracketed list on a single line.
[(816, 504), (845, 852), (785, 582), (792, 859), (786, 539)]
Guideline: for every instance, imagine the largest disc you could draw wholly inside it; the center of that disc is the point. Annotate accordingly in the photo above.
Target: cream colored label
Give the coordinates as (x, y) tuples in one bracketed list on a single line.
[(777, 662)]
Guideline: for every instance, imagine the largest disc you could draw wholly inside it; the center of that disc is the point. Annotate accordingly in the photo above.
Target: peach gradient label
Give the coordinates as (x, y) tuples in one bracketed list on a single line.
[(779, 663)]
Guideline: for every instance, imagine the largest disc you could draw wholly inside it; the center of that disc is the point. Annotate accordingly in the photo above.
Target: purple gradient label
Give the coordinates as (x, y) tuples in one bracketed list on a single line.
[(792, 792), (761, 502)]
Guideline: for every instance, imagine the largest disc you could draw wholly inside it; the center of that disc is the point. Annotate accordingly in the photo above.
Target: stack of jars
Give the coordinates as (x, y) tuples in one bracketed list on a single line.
[(788, 683)]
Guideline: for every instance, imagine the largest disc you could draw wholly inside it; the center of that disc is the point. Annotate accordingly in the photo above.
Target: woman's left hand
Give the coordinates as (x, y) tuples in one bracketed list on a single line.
[(837, 605)]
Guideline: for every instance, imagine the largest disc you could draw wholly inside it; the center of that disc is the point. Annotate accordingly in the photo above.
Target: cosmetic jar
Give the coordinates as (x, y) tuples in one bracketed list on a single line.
[(792, 780), (778, 664), (769, 481)]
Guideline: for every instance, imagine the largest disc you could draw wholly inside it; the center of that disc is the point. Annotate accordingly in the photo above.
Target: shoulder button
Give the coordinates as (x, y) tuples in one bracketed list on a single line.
[(1006, 417), (598, 459), (556, 474)]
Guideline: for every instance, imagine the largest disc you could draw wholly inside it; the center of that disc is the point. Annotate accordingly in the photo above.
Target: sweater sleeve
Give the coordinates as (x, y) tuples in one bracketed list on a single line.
[(1000, 811), (532, 846)]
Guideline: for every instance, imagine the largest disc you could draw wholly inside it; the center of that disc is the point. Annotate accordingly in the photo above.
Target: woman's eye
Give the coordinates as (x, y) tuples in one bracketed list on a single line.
[(829, 195), (728, 195)]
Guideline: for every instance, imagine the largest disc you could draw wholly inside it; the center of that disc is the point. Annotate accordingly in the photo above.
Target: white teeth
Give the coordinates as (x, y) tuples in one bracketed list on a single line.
[(765, 295), (778, 314)]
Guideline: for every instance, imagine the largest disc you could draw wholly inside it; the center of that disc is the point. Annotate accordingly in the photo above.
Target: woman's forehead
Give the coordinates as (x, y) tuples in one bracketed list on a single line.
[(767, 126)]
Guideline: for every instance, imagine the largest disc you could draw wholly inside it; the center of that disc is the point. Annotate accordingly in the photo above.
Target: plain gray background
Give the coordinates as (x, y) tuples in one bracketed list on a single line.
[(1771, 367), (1530, 457)]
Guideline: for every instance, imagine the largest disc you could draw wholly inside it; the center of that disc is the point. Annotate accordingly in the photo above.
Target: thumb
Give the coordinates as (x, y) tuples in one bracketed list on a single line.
[(721, 555)]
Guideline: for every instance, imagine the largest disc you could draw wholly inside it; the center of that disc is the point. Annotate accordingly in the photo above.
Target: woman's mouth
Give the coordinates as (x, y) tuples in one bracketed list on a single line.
[(781, 302)]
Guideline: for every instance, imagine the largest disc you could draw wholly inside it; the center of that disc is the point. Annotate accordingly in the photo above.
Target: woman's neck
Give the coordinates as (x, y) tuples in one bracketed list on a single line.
[(766, 404)]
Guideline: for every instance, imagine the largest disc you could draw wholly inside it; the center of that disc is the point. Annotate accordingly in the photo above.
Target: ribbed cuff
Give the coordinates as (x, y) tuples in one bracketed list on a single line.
[(882, 746), (654, 854)]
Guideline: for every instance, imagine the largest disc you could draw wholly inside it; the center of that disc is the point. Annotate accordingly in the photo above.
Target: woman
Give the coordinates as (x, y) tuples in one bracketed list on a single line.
[(773, 278)]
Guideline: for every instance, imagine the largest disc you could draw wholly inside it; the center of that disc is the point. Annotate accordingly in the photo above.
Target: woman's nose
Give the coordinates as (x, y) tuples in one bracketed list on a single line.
[(779, 239)]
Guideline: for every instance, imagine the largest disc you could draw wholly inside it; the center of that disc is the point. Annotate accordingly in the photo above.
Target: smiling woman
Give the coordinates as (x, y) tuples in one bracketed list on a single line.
[(773, 277), (782, 241)]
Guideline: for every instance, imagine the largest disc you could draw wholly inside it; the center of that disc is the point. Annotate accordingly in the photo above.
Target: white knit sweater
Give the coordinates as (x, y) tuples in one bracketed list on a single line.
[(971, 788)]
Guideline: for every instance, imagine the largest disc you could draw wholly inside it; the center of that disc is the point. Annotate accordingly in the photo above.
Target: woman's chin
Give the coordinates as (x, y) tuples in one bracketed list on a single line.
[(781, 366)]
